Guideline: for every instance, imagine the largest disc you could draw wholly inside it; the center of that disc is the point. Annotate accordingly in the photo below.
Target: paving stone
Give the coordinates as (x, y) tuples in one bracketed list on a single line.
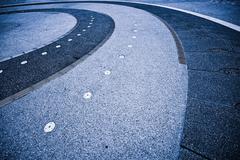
[(212, 129), (214, 87)]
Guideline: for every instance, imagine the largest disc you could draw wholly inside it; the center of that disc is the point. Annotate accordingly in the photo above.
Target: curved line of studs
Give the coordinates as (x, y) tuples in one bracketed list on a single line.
[(49, 127), (59, 46)]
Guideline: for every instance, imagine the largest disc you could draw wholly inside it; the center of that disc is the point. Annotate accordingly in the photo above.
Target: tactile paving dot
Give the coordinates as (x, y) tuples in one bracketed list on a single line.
[(87, 95), (107, 72), (49, 127), (69, 40), (121, 56), (1, 71), (44, 53), (129, 46), (24, 62), (58, 46)]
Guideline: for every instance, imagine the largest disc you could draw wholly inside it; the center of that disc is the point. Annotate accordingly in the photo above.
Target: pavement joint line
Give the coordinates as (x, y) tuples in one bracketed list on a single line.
[(201, 155)]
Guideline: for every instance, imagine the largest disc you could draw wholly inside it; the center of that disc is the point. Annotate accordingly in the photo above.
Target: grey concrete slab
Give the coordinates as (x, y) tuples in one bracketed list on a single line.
[(214, 62), (214, 87), (136, 112)]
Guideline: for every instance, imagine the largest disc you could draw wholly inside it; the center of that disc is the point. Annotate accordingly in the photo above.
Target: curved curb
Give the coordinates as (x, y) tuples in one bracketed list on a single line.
[(216, 20)]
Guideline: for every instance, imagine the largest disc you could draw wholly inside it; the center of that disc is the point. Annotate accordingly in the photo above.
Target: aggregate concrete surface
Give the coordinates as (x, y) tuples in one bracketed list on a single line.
[(125, 101)]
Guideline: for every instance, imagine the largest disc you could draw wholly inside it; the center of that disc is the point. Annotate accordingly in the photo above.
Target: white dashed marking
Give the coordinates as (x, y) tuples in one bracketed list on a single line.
[(1, 71), (134, 37), (24, 62), (84, 30), (58, 46), (69, 40), (90, 23), (78, 34), (87, 95), (135, 30), (107, 72), (49, 127), (88, 26), (129, 46), (121, 56), (44, 53), (135, 25)]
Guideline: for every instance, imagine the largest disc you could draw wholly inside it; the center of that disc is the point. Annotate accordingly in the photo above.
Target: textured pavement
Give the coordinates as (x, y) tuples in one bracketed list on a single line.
[(135, 112), (138, 100)]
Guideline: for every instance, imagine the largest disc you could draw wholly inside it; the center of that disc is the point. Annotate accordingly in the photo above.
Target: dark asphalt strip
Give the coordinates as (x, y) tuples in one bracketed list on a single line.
[(16, 77)]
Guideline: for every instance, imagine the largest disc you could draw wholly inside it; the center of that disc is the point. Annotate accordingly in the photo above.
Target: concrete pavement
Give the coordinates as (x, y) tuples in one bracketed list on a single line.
[(134, 106), (211, 122)]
